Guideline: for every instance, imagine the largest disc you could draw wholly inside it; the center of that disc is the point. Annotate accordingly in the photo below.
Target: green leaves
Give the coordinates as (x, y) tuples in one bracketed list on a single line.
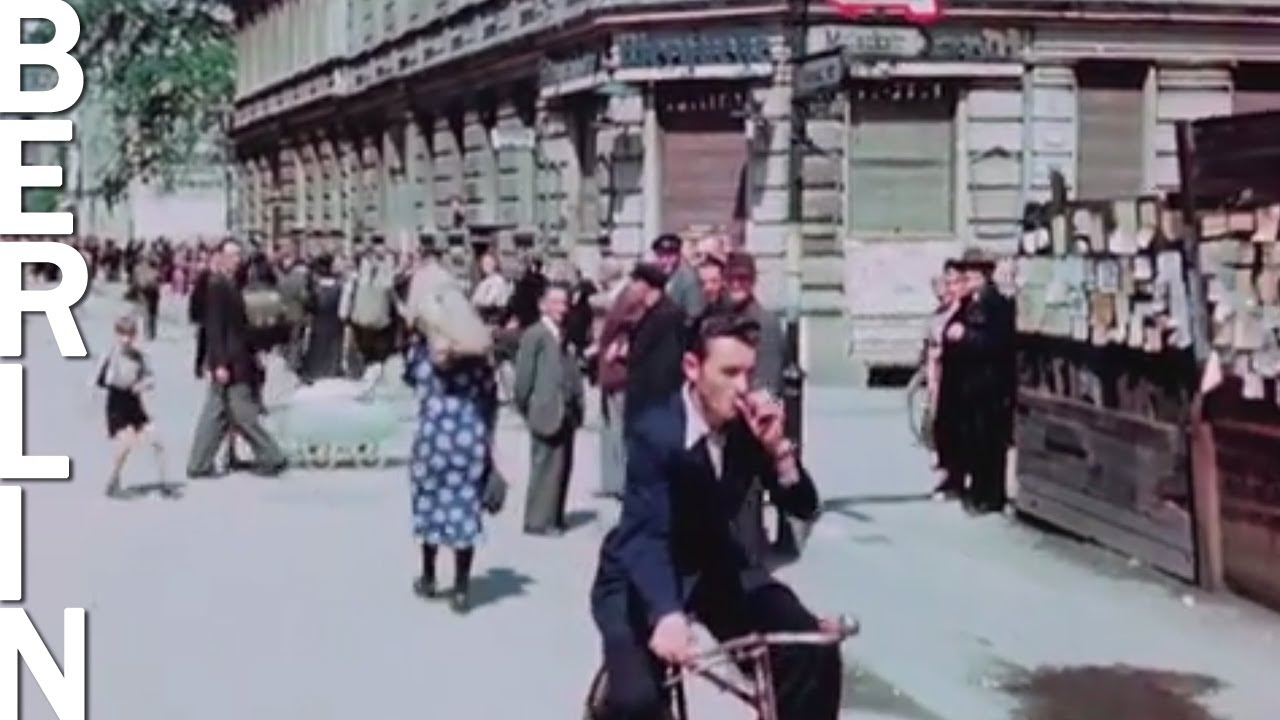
[(163, 74)]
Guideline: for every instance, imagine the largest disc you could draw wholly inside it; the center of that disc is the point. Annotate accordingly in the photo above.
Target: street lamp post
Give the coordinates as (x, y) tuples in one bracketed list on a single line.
[(793, 375)]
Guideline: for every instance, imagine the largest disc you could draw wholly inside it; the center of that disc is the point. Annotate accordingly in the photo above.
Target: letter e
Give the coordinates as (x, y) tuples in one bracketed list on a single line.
[(13, 221)]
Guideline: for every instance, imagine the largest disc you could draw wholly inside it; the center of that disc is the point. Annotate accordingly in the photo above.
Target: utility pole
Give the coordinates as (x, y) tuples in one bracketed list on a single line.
[(793, 376)]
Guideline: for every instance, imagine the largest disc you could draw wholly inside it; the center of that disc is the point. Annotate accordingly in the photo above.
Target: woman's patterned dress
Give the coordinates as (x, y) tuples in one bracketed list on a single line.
[(456, 412)]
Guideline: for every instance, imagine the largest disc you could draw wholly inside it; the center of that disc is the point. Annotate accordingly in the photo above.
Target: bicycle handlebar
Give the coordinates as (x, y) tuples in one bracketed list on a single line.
[(832, 632)]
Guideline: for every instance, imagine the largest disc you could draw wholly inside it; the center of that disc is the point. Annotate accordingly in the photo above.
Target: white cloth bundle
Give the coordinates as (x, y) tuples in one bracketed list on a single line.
[(438, 308)]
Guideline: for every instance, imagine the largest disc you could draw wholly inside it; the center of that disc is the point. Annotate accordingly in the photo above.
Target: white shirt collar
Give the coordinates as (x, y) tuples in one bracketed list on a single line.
[(555, 331), (696, 428), (695, 425)]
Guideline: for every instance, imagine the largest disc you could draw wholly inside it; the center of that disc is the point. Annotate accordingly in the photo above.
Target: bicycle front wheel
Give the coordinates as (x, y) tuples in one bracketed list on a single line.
[(918, 407)]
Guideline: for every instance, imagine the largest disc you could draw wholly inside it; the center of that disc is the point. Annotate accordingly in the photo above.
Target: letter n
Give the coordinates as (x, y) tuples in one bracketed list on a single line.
[(64, 689)]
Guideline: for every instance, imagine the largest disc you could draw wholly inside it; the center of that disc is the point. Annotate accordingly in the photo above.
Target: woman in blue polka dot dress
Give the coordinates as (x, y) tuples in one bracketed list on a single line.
[(457, 407)]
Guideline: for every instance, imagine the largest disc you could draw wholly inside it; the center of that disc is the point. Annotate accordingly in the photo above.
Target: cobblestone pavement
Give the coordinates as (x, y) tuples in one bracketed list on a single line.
[(289, 598)]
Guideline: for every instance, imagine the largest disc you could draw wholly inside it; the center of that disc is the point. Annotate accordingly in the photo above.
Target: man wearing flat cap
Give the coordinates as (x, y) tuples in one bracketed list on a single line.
[(975, 400), (682, 278)]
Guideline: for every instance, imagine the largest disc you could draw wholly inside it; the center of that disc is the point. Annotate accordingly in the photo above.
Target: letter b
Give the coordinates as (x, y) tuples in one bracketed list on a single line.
[(55, 54)]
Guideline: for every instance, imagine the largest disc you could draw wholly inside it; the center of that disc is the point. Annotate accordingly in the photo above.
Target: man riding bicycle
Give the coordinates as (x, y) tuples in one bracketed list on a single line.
[(676, 552)]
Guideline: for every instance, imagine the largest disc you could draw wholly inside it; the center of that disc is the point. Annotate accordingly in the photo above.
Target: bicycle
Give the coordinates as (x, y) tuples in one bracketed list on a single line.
[(918, 410), (750, 653)]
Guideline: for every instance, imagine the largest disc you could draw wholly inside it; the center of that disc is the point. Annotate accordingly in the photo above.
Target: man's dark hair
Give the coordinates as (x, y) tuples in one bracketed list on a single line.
[(719, 322), (556, 285), (714, 261)]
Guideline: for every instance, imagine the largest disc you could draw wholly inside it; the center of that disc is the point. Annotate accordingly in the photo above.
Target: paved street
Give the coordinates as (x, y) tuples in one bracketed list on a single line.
[(289, 598)]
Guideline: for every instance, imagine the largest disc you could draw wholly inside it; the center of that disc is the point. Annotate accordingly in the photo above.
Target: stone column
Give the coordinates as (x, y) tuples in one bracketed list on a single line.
[(651, 175), (420, 185), (331, 170), (392, 178), (287, 185), (243, 196), (371, 182), (348, 157)]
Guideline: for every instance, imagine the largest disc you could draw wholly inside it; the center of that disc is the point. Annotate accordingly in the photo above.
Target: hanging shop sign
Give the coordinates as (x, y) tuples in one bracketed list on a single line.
[(818, 74), (940, 44), (730, 46), (572, 67)]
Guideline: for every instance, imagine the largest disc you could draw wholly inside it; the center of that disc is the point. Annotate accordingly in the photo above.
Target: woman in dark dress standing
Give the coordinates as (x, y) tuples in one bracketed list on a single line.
[(324, 353)]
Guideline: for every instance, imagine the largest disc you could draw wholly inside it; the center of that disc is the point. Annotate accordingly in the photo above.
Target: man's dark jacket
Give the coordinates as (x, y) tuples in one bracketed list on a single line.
[(679, 521), (226, 330), (653, 357), (979, 374)]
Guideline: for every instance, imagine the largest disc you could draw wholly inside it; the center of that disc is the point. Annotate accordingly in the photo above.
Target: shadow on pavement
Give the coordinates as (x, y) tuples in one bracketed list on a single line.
[(1116, 692), (847, 505), (579, 519), (496, 585)]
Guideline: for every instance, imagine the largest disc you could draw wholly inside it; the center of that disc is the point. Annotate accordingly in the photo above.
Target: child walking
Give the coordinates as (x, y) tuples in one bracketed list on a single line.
[(125, 376)]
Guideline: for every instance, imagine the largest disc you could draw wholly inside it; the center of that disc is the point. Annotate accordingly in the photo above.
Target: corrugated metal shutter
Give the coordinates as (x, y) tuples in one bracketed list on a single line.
[(901, 170), (1111, 121), (1184, 94), (704, 156), (1257, 88)]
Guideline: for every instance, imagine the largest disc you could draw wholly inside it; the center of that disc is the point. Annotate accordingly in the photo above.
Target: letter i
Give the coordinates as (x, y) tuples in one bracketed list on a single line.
[(10, 543)]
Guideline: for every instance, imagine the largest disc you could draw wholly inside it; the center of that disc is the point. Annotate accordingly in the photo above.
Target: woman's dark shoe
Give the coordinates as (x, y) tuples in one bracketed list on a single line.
[(425, 588), (459, 602)]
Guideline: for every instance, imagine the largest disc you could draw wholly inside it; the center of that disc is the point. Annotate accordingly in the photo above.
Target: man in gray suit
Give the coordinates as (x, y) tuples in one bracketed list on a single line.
[(548, 394)]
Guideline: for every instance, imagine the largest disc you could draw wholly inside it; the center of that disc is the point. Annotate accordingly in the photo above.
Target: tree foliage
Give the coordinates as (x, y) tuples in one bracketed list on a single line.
[(162, 73)]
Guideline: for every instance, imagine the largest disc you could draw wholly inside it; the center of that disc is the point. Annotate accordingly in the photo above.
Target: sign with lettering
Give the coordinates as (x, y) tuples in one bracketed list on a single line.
[(740, 46), (573, 67), (942, 44), (818, 74)]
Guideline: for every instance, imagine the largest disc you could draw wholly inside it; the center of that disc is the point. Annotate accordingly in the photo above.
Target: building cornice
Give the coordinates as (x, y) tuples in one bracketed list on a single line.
[(337, 73)]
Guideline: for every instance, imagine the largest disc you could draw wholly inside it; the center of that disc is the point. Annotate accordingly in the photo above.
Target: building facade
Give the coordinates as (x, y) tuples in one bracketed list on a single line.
[(580, 125)]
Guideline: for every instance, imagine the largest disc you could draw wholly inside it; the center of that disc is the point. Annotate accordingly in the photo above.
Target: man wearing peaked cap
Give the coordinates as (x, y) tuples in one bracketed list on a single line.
[(682, 279)]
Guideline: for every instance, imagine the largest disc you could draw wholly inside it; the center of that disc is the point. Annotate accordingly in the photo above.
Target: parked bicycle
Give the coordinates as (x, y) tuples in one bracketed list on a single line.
[(918, 411), (748, 675)]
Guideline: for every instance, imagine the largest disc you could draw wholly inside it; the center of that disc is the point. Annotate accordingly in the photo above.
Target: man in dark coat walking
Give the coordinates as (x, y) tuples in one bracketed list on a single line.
[(231, 403)]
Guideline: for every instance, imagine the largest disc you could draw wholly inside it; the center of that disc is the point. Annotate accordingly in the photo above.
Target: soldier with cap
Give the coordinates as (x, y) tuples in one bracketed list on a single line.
[(682, 278)]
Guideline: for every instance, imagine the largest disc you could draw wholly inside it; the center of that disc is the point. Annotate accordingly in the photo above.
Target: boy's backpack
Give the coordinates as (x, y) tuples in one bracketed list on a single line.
[(264, 307)]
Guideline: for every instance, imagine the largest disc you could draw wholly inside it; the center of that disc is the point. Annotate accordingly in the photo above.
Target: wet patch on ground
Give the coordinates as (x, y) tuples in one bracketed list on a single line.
[(1112, 692), (864, 691)]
